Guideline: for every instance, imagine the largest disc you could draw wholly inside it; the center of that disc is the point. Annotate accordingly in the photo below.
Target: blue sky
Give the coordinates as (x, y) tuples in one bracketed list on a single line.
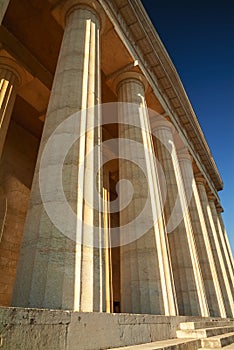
[(199, 37)]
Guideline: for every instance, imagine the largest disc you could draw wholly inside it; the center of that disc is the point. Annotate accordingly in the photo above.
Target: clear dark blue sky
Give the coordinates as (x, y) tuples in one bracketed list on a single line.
[(199, 37)]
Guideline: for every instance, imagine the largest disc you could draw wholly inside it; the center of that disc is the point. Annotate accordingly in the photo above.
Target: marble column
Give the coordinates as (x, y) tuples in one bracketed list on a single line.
[(216, 249), (3, 7), (9, 82), (107, 249), (204, 251), (222, 243), (146, 279), (55, 271), (13, 208), (228, 247), (187, 275)]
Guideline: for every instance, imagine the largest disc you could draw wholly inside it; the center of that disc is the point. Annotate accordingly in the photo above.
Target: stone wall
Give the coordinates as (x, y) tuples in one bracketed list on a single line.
[(29, 329)]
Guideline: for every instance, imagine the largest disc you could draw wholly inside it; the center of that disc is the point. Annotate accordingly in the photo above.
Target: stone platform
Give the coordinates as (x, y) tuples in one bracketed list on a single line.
[(30, 329)]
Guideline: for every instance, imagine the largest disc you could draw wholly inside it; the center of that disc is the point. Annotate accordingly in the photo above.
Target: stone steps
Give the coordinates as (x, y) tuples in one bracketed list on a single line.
[(219, 341), (228, 347), (170, 344), (204, 333), (205, 324)]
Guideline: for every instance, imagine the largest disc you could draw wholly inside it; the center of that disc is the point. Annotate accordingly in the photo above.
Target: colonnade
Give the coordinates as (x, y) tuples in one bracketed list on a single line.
[(182, 264)]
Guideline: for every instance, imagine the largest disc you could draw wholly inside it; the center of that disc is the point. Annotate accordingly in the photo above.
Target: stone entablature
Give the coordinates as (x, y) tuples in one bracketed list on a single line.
[(146, 47)]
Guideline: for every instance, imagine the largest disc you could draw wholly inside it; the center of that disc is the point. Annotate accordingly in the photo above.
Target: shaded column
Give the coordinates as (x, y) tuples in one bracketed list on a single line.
[(187, 275), (9, 82), (66, 273), (216, 249), (16, 171), (13, 194), (146, 280), (13, 207), (204, 251)]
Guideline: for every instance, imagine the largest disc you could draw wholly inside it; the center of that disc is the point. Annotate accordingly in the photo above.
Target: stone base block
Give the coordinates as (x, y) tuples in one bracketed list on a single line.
[(29, 329)]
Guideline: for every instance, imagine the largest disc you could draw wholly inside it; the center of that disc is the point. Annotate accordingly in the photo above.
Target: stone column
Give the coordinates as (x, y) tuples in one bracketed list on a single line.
[(9, 82), (204, 251), (146, 278), (222, 243), (107, 249), (228, 247), (214, 241), (187, 275), (3, 7), (55, 271), (13, 207)]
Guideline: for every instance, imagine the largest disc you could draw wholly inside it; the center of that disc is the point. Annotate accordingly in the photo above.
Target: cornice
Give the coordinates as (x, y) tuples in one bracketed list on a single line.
[(155, 59)]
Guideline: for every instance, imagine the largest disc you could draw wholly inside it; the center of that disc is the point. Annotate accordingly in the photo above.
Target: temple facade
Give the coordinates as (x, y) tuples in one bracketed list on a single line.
[(108, 190)]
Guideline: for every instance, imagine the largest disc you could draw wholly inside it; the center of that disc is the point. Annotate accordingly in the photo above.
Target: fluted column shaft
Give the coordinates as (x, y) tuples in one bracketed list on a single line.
[(205, 255), (217, 254), (13, 194), (188, 280), (146, 278), (222, 243), (228, 247), (9, 81), (62, 273)]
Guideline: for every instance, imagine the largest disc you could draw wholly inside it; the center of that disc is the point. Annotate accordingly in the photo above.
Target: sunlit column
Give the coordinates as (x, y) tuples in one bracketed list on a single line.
[(146, 278), (107, 240), (219, 211), (9, 82), (204, 251), (216, 249), (222, 242), (187, 275), (65, 273)]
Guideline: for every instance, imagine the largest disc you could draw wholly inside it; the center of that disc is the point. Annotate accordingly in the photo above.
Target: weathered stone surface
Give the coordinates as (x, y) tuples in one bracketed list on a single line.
[(27, 329)]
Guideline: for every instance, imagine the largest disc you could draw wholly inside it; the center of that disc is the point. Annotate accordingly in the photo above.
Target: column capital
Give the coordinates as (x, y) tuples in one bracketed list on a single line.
[(200, 179), (183, 154), (128, 76), (11, 65), (211, 196), (62, 9), (159, 122), (219, 208)]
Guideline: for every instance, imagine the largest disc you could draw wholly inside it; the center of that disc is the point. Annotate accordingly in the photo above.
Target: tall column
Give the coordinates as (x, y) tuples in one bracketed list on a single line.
[(13, 207), (205, 255), (217, 254), (9, 82), (146, 278), (55, 271), (187, 275), (222, 243), (11, 190), (228, 247)]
